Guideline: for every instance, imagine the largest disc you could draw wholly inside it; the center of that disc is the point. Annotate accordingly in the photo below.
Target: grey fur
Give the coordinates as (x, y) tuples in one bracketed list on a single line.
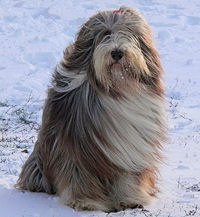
[(101, 135)]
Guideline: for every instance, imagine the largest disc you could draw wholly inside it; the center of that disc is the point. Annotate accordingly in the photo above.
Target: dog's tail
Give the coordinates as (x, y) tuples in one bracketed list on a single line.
[(32, 177)]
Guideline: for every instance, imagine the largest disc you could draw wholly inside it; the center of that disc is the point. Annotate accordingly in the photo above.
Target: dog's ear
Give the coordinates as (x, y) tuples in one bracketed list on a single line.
[(152, 60), (150, 54)]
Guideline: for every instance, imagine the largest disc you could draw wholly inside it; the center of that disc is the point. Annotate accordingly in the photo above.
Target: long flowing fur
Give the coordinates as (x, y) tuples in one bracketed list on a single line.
[(103, 122)]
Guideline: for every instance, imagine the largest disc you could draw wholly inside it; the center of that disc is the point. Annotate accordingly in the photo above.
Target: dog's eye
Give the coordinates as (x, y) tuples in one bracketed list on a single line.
[(108, 32)]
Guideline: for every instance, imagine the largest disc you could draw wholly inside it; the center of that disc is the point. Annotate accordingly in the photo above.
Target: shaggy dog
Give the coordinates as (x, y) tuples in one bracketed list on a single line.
[(100, 140)]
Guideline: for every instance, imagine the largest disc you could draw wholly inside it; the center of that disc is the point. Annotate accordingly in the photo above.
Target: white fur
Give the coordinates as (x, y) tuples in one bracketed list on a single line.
[(77, 79), (137, 120)]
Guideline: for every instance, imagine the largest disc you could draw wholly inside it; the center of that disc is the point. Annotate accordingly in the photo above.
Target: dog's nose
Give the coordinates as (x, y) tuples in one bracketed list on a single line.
[(117, 54)]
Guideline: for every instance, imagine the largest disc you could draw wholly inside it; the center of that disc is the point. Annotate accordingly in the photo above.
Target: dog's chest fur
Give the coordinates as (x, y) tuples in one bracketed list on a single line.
[(126, 131), (134, 129)]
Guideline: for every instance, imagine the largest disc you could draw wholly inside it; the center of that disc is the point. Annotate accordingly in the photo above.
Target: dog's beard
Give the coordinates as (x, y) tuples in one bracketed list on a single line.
[(123, 74), (117, 71), (119, 75)]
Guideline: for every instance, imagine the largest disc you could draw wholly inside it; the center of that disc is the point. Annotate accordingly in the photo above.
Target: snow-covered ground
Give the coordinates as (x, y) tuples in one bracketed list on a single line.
[(33, 35)]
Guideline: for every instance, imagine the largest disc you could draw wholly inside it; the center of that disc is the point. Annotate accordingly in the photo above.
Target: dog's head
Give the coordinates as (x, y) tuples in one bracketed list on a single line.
[(116, 50)]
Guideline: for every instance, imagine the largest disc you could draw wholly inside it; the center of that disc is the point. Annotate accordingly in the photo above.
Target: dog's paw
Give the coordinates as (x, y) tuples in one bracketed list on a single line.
[(123, 206), (79, 205), (88, 205)]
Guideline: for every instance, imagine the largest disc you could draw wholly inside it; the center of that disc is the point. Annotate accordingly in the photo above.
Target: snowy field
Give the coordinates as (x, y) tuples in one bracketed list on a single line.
[(33, 35)]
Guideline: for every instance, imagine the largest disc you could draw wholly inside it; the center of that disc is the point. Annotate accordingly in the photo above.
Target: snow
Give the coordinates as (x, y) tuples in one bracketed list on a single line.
[(33, 35), (28, 204)]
